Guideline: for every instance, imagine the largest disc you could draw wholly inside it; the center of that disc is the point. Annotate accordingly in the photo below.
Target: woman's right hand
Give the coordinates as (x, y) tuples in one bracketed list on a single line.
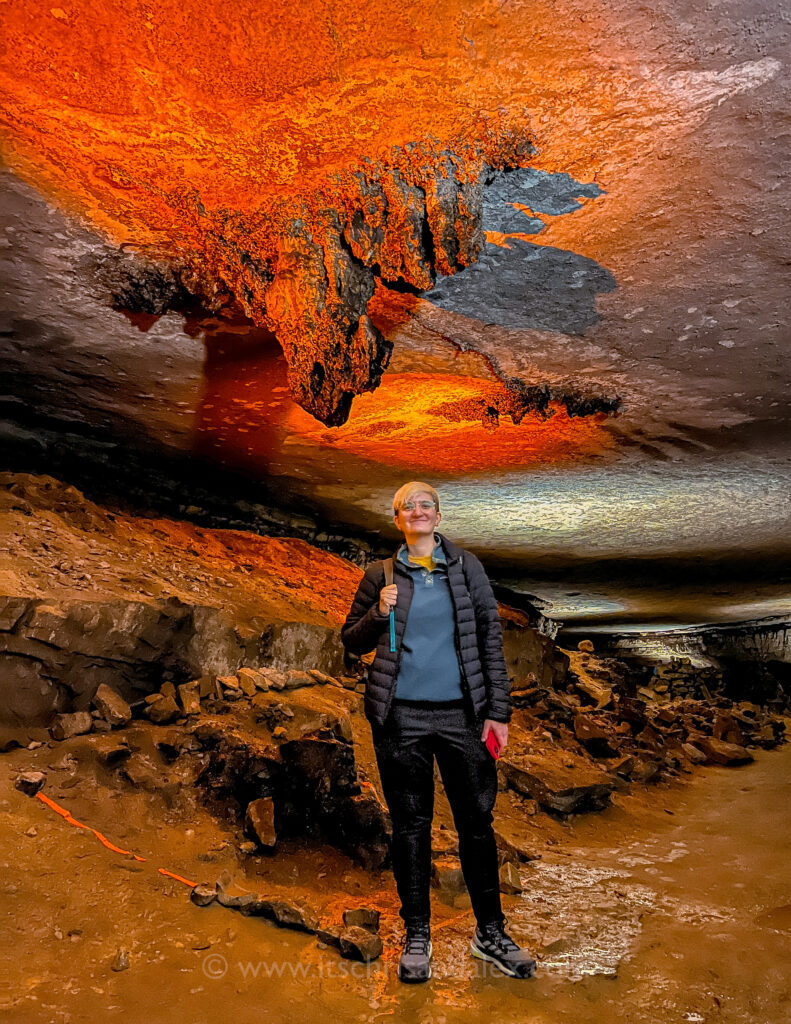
[(387, 598)]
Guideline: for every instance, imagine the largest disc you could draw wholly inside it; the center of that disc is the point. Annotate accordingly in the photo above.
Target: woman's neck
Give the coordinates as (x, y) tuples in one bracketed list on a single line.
[(421, 545)]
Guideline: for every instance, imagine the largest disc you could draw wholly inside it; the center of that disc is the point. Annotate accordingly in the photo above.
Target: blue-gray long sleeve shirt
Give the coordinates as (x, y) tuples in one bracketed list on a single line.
[(429, 667)]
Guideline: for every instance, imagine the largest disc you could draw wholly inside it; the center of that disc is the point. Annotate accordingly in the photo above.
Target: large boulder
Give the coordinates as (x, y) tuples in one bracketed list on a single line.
[(721, 752), (556, 787), (598, 739)]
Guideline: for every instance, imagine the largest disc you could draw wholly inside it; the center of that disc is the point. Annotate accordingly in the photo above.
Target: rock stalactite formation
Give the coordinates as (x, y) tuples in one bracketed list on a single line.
[(307, 269), (308, 274), (288, 171), (291, 206)]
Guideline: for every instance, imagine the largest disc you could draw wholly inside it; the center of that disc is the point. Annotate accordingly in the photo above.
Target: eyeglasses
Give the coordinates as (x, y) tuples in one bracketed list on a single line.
[(424, 506)]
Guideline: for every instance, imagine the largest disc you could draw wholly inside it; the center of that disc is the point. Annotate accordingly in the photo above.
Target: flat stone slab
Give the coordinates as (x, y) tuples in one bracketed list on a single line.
[(557, 787)]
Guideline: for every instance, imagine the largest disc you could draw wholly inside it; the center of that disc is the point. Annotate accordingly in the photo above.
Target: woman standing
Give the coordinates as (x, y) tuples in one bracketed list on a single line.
[(437, 687)]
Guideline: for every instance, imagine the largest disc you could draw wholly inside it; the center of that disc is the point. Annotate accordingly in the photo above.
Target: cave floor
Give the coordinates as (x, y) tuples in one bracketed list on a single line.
[(674, 904)]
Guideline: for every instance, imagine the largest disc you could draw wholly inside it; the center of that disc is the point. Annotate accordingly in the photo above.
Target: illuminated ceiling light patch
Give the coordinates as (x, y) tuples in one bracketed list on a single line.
[(455, 424)]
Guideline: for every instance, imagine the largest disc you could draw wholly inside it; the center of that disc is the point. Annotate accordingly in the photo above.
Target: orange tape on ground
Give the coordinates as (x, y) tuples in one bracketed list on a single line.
[(67, 816), (170, 874), (78, 824)]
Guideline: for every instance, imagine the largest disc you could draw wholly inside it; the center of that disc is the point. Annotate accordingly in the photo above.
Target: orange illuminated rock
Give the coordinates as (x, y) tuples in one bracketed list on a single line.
[(281, 161), (285, 159)]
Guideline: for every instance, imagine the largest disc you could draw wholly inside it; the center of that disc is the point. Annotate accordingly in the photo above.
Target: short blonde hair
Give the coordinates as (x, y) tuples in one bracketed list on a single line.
[(405, 492)]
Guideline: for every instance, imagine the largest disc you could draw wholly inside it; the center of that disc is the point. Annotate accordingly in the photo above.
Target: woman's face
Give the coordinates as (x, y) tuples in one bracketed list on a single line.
[(419, 520)]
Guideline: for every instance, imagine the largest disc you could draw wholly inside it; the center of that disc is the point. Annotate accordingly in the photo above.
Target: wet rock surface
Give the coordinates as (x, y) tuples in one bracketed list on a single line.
[(687, 342)]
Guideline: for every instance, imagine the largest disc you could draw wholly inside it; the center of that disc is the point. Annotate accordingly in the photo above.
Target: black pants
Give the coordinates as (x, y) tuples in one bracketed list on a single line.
[(414, 733)]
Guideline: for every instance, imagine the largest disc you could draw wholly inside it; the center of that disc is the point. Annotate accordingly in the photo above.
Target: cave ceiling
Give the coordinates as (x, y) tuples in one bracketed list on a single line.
[(533, 253)]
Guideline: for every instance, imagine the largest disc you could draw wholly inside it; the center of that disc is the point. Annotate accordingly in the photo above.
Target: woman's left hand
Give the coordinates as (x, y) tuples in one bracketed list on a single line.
[(500, 730)]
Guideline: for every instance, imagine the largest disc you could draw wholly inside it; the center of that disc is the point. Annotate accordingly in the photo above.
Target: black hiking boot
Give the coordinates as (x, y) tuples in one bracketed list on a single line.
[(492, 943), (415, 963)]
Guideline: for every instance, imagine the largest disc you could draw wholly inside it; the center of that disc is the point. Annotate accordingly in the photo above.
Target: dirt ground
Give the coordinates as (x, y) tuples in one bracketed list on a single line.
[(660, 907)]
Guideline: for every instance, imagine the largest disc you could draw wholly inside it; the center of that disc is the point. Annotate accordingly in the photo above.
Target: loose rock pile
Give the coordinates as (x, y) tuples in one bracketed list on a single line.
[(277, 755), (681, 678), (173, 703), (306, 771), (611, 739)]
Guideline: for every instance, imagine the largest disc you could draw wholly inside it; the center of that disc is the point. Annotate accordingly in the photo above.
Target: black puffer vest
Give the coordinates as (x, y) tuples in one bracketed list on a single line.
[(478, 635)]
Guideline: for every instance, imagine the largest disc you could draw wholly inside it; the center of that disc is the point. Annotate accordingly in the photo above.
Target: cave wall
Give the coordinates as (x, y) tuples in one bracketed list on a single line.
[(54, 653)]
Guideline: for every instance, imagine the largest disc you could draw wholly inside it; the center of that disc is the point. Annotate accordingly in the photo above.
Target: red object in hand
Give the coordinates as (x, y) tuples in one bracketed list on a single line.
[(492, 745)]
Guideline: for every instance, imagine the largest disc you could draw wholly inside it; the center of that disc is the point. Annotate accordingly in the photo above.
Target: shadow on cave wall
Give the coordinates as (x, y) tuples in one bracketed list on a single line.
[(527, 285)]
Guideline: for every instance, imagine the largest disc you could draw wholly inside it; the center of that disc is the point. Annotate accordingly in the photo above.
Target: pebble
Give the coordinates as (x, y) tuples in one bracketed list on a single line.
[(30, 783), (121, 961)]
